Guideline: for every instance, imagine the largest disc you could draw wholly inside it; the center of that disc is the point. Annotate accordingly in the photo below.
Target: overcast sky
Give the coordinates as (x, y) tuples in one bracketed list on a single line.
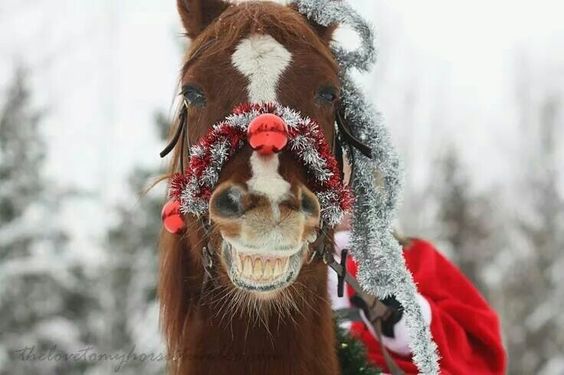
[(101, 68)]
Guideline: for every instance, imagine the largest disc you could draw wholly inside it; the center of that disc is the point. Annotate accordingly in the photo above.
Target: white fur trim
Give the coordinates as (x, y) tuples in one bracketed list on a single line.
[(262, 60), (342, 240)]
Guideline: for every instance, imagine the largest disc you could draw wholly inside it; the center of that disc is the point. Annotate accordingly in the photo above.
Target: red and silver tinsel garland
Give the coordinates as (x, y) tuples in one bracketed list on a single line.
[(305, 140)]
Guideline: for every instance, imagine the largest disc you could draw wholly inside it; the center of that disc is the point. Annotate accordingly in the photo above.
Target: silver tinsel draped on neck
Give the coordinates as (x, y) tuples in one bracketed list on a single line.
[(376, 184)]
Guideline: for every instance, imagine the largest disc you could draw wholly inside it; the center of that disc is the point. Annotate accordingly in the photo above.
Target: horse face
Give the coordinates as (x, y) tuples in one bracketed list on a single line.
[(264, 213)]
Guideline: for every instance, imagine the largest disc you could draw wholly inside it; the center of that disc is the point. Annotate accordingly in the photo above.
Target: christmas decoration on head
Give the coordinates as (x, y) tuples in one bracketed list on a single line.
[(270, 127)]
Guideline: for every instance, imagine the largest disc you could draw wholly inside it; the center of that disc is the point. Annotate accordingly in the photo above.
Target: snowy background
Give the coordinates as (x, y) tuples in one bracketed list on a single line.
[(473, 93)]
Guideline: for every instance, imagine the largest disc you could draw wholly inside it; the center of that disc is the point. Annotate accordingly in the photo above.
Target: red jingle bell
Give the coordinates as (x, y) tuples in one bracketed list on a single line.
[(268, 134), (173, 220)]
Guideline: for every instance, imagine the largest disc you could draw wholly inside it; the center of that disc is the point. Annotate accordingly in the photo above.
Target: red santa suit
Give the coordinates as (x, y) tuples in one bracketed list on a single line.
[(464, 327)]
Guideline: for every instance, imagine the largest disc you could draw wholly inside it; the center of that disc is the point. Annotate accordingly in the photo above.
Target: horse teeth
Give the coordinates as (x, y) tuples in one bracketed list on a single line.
[(285, 264), (261, 268), (268, 270), (277, 268), (257, 268), (247, 266), (239, 263)]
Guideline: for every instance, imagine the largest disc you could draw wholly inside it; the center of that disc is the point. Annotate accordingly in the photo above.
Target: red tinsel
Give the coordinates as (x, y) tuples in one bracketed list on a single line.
[(202, 160)]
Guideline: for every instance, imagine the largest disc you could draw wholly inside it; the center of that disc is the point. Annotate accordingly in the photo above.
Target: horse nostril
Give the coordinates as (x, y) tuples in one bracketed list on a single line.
[(309, 204), (229, 202)]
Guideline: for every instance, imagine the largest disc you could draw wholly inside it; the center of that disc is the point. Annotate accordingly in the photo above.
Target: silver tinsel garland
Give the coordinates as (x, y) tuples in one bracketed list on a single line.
[(306, 142), (376, 184)]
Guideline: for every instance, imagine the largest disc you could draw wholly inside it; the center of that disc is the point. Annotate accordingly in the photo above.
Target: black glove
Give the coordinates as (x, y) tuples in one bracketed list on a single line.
[(396, 315), (396, 312)]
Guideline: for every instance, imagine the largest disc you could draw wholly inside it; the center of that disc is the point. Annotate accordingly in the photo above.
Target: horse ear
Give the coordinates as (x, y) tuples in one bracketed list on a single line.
[(196, 15)]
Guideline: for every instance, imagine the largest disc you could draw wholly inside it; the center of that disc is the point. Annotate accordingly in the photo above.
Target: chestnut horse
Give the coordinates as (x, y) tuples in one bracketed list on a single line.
[(270, 313)]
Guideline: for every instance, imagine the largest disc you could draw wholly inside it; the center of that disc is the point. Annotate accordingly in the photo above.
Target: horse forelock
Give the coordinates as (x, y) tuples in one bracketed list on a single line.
[(282, 23)]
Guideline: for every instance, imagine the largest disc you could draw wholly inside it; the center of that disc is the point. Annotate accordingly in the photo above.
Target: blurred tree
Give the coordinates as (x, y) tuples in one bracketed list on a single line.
[(463, 217), (534, 287), (45, 299), (132, 272)]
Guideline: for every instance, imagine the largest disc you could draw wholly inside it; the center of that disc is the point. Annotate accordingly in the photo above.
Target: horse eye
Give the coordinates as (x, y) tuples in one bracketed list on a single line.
[(327, 95), (194, 95)]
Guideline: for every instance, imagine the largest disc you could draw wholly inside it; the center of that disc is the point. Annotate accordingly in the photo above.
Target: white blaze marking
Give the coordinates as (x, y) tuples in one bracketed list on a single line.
[(262, 60), (266, 180)]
